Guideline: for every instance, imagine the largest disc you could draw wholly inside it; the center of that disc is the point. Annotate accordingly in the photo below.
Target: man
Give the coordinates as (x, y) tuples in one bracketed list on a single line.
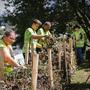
[(44, 31), (80, 36), (6, 52), (30, 39)]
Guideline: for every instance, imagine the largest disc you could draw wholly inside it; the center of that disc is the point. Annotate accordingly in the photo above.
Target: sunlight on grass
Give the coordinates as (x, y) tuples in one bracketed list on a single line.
[(80, 76)]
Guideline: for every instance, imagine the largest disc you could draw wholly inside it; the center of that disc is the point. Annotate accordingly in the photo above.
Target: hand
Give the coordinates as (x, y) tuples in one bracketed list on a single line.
[(20, 67), (23, 67), (45, 36)]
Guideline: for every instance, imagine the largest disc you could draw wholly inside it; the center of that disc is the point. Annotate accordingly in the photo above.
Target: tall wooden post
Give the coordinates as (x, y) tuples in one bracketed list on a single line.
[(59, 59), (35, 58), (59, 55), (66, 68), (72, 57), (27, 54), (50, 67), (71, 49)]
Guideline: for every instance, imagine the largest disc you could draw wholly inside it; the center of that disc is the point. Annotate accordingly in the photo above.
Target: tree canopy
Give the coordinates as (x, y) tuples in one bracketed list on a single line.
[(58, 12)]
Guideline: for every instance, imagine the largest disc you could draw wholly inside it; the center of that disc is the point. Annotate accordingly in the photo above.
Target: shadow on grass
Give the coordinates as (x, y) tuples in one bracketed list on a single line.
[(77, 86), (81, 86)]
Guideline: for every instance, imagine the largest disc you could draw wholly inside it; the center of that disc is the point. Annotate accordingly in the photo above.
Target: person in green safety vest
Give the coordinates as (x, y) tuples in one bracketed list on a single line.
[(44, 30), (6, 52), (80, 38), (30, 39)]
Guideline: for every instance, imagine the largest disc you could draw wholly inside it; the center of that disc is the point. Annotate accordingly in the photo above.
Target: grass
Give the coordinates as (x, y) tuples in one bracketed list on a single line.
[(82, 73), (80, 80), (80, 76)]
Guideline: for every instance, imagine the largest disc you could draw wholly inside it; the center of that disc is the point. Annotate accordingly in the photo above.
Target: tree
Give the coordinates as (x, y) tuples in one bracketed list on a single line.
[(57, 11), (24, 11), (80, 9)]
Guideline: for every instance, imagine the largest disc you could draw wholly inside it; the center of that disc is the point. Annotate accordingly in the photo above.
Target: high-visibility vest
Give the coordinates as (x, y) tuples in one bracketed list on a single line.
[(4, 64), (79, 38), (41, 31), (28, 41)]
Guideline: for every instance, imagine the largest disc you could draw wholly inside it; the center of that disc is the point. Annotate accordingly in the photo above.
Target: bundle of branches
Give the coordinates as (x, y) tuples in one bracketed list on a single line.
[(49, 41), (61, 65), (62, 68), (19, 79)]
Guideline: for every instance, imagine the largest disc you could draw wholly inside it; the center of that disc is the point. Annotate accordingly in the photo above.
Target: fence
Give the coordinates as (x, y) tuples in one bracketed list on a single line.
[(49, 69)]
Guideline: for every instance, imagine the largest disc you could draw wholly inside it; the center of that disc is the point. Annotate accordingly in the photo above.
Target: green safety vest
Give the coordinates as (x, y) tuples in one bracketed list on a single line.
[(79, 37), (28, 41), (8, 69), (41, 31), (86, 40)]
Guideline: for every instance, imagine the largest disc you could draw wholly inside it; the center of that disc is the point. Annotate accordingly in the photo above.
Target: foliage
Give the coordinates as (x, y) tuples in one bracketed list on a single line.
[(21, 79), (26, 10), (59, 12)]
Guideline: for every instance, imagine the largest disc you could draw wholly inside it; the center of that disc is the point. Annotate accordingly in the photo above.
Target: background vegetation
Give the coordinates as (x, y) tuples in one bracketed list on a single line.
[(60, 12)]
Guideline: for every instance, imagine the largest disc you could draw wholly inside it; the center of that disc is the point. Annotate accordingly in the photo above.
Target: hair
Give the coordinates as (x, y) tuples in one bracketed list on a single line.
[(76, 26), (47, 23), (7, 32), (36, 21)]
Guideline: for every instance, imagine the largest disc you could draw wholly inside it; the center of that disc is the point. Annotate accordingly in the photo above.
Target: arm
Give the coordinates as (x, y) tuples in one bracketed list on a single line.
[(29, 34), (8, 58), (37, 36)]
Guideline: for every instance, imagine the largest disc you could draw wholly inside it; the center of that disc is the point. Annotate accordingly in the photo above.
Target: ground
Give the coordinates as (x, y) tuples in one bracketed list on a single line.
[(80, 80)]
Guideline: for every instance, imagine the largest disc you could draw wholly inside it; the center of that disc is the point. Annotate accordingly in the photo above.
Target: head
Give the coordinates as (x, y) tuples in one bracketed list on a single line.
[(76, 27), (9, 37), (36, 24), (47, 26)]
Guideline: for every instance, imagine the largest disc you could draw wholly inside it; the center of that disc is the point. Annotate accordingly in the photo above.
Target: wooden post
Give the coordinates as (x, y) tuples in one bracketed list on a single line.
[(50, 67), (1, 65), (59, 59), (66, 68), (71, 50), (35, 58), (27, 55), (59, 56), (72, 57)]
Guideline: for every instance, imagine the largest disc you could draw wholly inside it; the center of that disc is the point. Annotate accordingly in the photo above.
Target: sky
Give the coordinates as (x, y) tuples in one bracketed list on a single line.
[(2, 7)]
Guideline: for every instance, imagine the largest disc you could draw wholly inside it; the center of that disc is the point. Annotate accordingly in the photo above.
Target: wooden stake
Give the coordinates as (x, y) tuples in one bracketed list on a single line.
[(59, 56), (72, 57), (34, 70), (71, 54), (66, 62), (27, 55), (50, 67)]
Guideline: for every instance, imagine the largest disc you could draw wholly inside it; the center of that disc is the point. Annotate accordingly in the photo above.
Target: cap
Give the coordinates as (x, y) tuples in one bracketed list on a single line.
[(48, 23)]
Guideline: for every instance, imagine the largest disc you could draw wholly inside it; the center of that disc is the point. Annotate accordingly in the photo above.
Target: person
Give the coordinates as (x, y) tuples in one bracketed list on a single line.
[(6, 52), (80, 38), (44, 30), (30, 39)]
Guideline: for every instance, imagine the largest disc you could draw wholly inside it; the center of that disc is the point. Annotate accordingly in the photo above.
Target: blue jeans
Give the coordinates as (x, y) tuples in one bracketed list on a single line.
[(79, 54)]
